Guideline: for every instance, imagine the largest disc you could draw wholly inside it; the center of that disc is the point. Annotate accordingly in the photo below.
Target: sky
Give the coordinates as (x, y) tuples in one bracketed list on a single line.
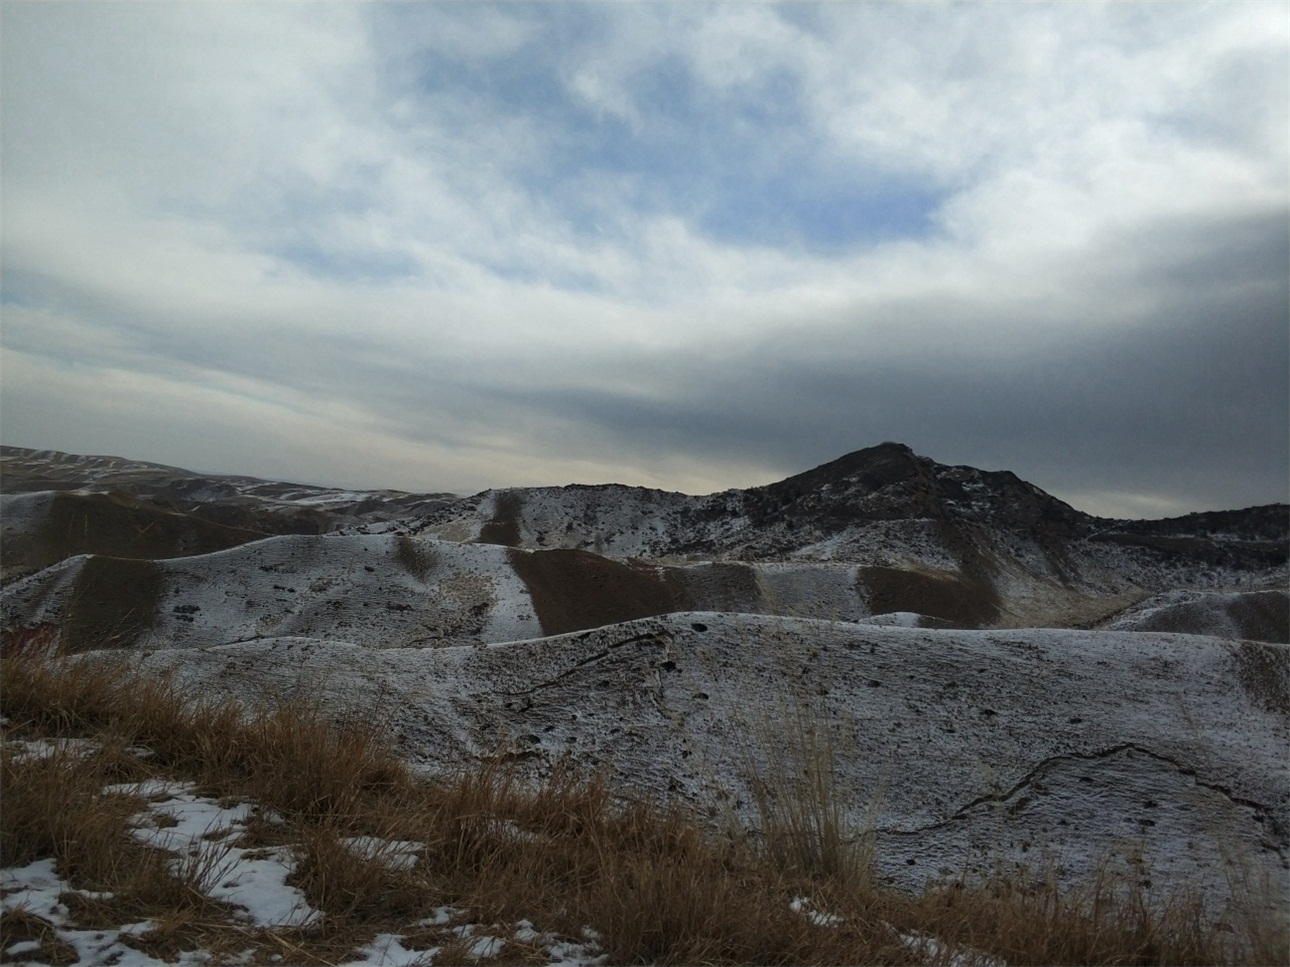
[(693, 246)]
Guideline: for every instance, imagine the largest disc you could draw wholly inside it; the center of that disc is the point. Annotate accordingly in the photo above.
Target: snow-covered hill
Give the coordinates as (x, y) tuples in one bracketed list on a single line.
[(1254, 615), (964, 748), (916, 616), (880, 530)]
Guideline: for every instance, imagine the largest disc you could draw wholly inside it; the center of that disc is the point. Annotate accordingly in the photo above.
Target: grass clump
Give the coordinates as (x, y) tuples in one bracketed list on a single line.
[(804, 823), (652, 884)]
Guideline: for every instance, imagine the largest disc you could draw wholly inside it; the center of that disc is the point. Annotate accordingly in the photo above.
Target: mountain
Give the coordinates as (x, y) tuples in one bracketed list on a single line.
[(877, 531), (1002, 679), (969, 547)]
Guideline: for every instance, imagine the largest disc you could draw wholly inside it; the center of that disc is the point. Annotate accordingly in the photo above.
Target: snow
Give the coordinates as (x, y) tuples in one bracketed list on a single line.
[(806, 908), (1201, 612), (396, 854), (525, 932), (22, 514), (386, 950), (442, 916), (934, 951), (986, 747), (24, 750), (357, 589), (148, 789), (486, 947), (200, 832), (37, 888), (896, 619)]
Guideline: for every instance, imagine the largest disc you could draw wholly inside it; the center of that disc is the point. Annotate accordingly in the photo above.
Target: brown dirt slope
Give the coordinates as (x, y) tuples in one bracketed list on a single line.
[(1264, 616), (504, 526), (959, 600), (115, 525), (113, 605), (575, 590)]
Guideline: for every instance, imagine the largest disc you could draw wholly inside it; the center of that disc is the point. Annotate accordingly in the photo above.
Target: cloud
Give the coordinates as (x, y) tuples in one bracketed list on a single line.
[(688, 246)]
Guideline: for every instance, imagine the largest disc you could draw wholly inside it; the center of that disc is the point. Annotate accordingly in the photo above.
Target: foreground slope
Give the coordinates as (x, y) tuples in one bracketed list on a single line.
[(963, 748)]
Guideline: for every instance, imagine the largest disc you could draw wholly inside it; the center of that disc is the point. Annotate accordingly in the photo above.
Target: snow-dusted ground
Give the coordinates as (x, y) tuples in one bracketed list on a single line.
[(1261, 615), (380, 591), (202, 834), (388, 591), (967, 749), (22, 513)]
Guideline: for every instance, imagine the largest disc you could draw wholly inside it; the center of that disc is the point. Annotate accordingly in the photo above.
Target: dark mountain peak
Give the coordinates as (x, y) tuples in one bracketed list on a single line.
[(891, 482), (871, 469)]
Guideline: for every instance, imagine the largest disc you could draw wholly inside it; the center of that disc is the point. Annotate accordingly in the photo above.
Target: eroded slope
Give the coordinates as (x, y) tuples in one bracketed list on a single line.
[(965, 748)]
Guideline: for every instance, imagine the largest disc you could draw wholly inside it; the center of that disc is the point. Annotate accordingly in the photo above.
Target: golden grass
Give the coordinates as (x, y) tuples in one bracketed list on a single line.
[(803, 819), (567, 854)]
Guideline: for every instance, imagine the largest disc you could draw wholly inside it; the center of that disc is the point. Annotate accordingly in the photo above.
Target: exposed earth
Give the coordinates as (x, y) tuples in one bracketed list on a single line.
[(1002, 678)]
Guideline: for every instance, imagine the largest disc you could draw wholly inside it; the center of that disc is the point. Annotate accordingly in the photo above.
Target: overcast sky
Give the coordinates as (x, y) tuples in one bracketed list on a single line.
[(448, 246)]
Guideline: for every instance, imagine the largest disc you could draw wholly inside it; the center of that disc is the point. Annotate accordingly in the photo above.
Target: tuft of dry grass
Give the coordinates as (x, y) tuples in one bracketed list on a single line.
[(566, 853), (22, 926), (1108, 920), (803, 818), (351, 885), (54, 807)]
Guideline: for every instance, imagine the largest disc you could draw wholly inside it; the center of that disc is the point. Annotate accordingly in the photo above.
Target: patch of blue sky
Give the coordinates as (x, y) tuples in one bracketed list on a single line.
[(803, 16), (795, 210), (740, 163), (567, 279), (10, 295), (288, 216), (528, 81), (745, 171), (495, 86), (35, 288)]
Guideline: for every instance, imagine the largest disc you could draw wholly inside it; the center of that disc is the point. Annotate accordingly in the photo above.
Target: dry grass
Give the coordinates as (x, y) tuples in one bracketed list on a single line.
[(803, 817), (655, 884), (55, 807)]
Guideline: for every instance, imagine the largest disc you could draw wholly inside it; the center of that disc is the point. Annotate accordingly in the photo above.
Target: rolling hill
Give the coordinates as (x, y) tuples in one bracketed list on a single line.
[(1001, 678)]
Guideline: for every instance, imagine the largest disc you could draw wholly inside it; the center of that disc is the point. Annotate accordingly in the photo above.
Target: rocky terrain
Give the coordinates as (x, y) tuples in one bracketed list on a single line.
[(1002, 677)]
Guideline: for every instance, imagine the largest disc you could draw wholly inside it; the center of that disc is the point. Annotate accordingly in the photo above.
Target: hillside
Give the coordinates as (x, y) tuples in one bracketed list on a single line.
[(961, 747), (1000, 677), (878, 531)]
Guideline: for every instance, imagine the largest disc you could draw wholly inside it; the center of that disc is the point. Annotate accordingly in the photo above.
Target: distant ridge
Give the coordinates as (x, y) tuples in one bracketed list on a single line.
[(876, 531)]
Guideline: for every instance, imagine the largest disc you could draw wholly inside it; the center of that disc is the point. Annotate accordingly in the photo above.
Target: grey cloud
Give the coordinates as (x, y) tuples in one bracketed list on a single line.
[(1146, 356), (1189, 399)]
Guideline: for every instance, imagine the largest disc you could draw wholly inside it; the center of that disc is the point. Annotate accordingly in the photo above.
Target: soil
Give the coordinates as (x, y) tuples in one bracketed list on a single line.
[(1264, 616), (576, 590), (960, 600), (114, 604), (416, 556), (116, 525), (1265, 675), (504, 526)]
